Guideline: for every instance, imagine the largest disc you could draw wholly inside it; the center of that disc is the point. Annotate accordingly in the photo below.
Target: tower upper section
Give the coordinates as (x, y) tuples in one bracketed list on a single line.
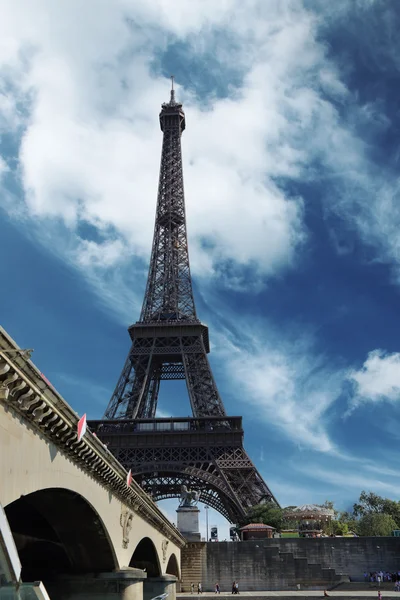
[(172, 114), (169, 294)]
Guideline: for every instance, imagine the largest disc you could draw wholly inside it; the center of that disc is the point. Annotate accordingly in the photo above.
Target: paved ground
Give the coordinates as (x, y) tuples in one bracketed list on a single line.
[(299, 594)]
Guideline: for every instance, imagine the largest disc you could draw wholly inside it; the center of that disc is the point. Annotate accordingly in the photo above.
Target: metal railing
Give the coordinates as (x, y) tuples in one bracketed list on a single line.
[(172, 425)]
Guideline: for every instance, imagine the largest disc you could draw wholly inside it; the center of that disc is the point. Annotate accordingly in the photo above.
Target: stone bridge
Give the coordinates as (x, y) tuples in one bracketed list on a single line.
[(77, 526)]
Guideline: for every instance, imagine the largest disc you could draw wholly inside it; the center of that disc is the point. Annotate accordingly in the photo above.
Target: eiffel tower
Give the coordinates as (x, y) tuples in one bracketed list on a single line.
[(204, 452)]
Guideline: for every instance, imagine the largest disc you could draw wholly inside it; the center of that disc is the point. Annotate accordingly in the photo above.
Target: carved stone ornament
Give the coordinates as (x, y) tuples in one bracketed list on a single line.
[(4, 391), (164, 548), (126, 524)]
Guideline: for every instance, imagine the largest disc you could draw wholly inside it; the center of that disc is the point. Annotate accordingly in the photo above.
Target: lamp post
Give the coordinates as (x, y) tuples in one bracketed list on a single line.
[(206, 507)]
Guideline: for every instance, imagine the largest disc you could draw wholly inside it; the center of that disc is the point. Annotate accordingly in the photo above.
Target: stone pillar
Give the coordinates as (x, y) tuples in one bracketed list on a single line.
[(154, 586), (188, 522), (121, 585)]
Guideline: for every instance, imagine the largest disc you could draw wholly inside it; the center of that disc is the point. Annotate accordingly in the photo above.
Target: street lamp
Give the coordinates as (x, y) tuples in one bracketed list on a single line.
[(206, 507)]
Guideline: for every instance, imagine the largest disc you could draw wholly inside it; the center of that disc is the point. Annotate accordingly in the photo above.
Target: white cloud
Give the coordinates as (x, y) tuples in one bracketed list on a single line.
[(91, 142), (289, 385), (107, 254), (4, 168), (378, 380)]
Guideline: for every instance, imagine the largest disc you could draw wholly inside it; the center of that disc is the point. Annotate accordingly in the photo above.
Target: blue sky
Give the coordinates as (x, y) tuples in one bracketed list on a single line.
[(292, 190)]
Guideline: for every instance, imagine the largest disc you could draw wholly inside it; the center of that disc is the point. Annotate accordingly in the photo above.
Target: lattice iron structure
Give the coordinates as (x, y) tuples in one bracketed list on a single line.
[(170, 342)]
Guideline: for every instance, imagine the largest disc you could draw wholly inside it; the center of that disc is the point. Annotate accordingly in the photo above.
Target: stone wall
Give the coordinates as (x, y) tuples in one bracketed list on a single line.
[(284, 563), (352, 556)]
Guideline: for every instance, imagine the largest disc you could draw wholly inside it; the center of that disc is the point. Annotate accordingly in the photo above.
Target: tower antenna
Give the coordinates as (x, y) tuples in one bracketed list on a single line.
[(172, 101)]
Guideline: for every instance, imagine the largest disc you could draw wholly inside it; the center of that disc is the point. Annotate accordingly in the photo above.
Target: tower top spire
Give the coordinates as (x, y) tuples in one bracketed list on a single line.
[(172, 100), (171, 110)]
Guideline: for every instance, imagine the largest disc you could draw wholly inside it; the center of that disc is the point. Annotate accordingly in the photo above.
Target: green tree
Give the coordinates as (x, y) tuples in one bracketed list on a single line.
[(392, 508), (348, 518), (341, 528), (267, 513), (371, 503), (368, 503), (375, 523), (329, 504)]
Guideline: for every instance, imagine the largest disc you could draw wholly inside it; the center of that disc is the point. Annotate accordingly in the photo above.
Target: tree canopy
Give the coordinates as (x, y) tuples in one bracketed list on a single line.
[(268, 513), (372, 515), (375, 523), (370, 503)]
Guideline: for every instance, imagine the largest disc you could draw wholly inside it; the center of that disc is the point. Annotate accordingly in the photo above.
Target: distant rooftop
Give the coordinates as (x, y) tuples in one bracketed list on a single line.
[(256, 527), (311, 510)]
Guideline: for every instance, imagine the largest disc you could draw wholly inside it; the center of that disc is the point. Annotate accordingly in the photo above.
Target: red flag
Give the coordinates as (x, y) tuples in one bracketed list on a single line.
[(46, 380), (129, 478), (81, 427)]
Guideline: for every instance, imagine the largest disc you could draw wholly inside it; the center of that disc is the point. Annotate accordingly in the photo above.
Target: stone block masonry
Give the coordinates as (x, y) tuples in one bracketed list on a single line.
[(282, 564)]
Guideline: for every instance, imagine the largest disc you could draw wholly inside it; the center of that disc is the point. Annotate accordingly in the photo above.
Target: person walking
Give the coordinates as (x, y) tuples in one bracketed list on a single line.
[(379, 595), (199, 588), (237, 587), (192, 588), (217, 590), (234, 587)]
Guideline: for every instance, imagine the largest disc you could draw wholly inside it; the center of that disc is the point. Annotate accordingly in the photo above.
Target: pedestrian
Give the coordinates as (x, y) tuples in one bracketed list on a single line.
[(234, 587), (237, 588), (217, 590), (379, 595), (199, 588), (192, 588)]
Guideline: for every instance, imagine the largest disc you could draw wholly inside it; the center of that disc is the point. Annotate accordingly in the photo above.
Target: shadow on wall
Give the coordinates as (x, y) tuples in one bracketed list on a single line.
[(57, 531), (173, 567), (145, 557)]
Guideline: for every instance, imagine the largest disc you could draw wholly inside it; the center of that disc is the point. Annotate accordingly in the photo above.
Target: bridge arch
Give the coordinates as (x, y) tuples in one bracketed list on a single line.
[(145, 556), (172, 566), (57, 531)]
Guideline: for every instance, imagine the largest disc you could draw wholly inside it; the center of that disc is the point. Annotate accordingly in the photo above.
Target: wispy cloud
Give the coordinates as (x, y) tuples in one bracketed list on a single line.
[(294, 493), (96, 395), (288, 382), (3, 167), (347, 479), (378, 380)]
